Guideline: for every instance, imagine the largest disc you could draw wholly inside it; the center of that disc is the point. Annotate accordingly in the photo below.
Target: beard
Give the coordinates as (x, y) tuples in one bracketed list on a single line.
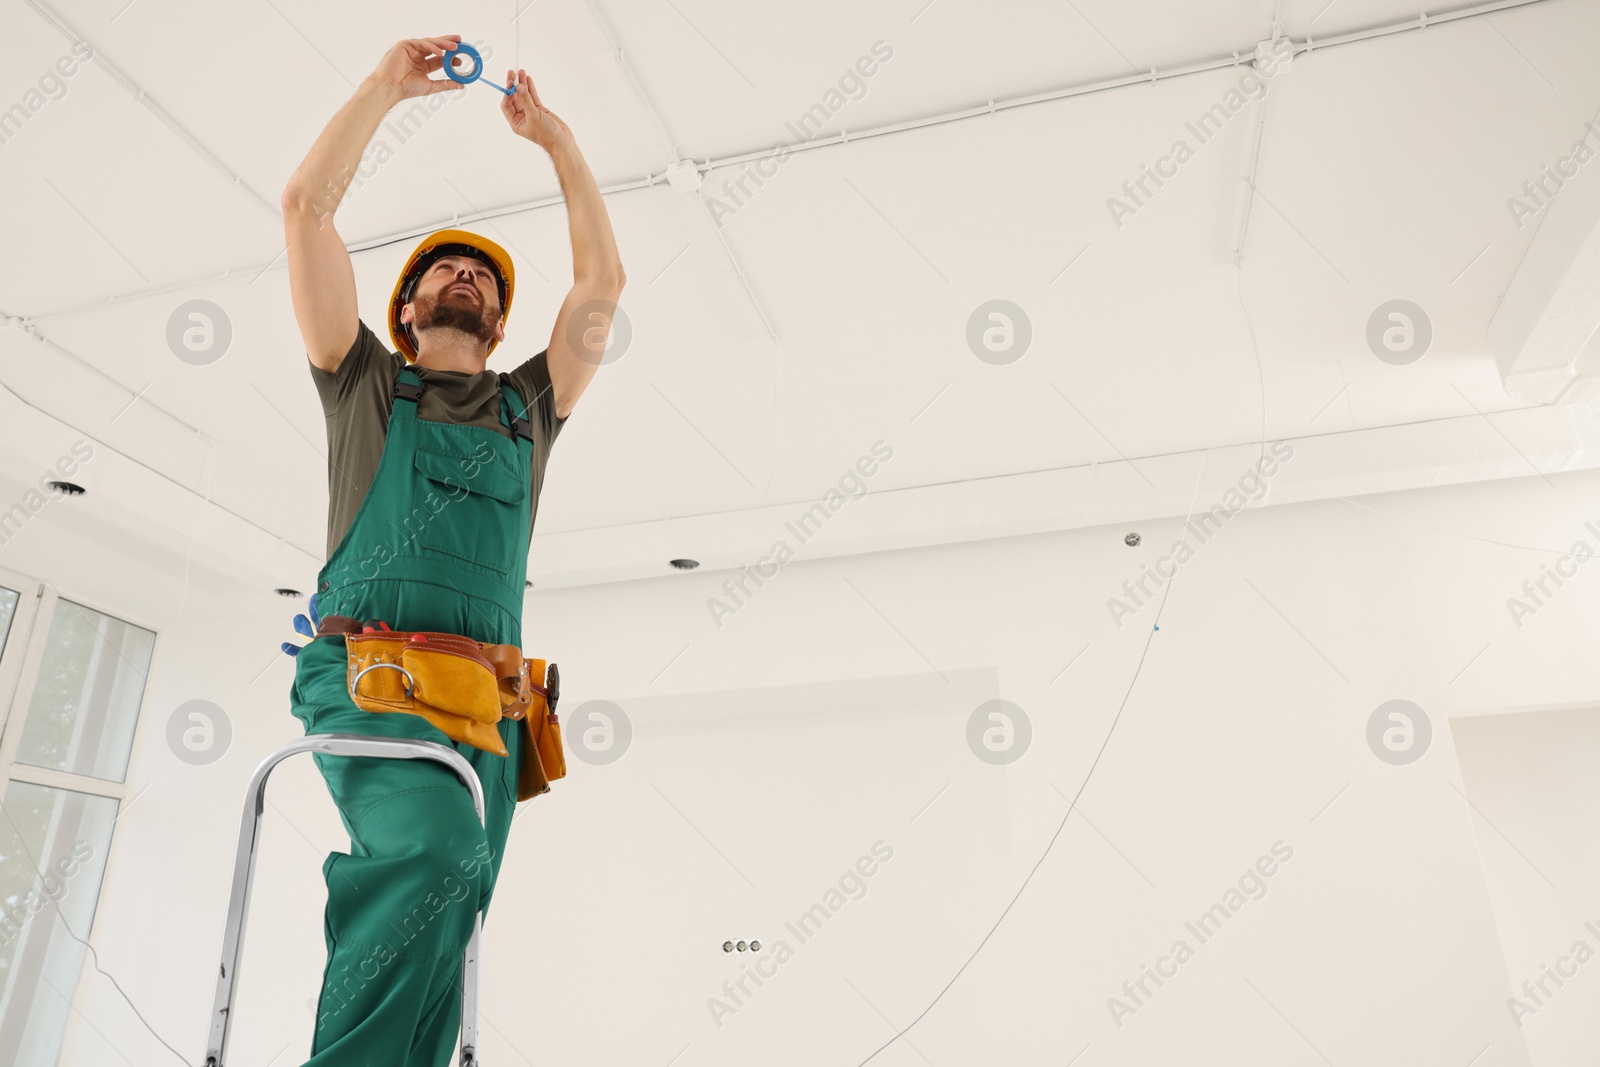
[(455, 311)]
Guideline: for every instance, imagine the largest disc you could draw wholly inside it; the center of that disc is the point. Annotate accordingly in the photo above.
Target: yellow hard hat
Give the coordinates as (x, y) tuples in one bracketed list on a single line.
[(436, 246)]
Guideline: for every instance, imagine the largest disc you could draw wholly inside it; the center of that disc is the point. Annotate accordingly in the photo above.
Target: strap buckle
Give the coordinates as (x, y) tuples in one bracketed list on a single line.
[(404, 391)]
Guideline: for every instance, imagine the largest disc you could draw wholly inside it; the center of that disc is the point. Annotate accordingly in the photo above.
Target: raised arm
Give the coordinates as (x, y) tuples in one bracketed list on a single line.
[(578, 339), (322, 283)]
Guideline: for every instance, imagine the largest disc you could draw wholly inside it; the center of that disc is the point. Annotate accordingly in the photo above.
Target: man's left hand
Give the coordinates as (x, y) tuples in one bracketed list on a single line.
[(527, 115)]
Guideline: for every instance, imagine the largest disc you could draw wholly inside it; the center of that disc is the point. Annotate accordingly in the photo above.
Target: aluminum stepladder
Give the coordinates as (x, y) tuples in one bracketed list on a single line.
[(244, 866)]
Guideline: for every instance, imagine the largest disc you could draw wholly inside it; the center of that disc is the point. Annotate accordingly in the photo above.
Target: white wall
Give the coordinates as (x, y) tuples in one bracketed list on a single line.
[(1376, 943), (1531, 780)]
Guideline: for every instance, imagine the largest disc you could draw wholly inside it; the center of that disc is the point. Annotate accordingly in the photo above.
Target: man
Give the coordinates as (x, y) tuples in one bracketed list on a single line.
[(434, 471)]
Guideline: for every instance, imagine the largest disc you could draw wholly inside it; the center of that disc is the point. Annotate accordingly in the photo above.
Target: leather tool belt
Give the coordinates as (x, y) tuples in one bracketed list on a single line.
[(462, 686)]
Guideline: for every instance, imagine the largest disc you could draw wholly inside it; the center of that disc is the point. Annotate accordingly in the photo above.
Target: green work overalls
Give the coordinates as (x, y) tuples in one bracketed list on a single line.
[(439, 543)]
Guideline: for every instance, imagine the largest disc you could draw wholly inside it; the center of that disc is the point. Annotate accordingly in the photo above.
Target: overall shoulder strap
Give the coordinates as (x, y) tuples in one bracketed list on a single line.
[(513, 415), (407, 385)]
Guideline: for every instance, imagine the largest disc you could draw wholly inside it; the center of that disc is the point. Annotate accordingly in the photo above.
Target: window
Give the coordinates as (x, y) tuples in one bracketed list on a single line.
[(85, 698), (71, 682), (65, 835)]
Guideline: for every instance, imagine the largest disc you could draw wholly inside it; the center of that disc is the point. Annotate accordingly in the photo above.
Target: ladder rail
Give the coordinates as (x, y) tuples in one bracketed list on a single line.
[(244, 864)]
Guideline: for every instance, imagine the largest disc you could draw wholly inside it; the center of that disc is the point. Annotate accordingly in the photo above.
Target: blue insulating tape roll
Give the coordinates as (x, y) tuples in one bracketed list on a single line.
[(464, 49)]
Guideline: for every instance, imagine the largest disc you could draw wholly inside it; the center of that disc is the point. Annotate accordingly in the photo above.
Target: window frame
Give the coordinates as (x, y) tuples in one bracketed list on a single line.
[(20, 660), (19, 673), (17, 640)]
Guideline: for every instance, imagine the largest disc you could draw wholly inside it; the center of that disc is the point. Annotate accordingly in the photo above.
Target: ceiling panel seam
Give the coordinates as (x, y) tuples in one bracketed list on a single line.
[(633, 82), (190, 140), (31, 330), (1129, 462), (672, 157), (1419, 24), (205, 498)]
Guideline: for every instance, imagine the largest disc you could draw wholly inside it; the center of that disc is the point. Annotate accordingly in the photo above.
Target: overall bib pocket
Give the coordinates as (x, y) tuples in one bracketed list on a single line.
[(497, 493)]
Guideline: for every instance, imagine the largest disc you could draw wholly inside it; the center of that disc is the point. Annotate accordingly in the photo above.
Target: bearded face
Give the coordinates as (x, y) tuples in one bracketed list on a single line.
[(447, 301)]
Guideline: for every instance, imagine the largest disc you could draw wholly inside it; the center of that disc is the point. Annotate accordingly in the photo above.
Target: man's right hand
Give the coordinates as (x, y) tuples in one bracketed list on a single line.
[(404, 69)]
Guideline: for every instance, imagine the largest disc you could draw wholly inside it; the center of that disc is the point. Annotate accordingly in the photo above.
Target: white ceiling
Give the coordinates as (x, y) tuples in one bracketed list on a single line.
[(1384, 169)]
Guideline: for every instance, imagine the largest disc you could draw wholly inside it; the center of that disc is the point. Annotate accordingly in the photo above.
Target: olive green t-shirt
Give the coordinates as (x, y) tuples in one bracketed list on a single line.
[(356, 400)]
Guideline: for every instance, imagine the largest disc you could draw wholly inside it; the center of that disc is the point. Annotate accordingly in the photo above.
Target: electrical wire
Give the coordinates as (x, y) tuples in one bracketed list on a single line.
[(94, 957), (1071, 806)]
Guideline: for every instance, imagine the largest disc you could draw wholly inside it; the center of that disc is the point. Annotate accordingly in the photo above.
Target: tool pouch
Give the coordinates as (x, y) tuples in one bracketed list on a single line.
[(545, 759), (462, 686)]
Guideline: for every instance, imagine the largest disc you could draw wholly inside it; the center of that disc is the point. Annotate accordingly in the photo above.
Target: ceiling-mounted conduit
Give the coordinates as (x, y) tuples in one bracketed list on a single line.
[(1154, 76)]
